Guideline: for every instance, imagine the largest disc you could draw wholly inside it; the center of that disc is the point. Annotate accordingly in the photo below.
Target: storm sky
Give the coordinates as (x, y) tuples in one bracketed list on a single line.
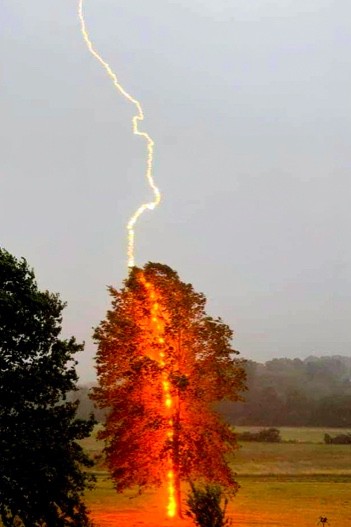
[(249, 103)]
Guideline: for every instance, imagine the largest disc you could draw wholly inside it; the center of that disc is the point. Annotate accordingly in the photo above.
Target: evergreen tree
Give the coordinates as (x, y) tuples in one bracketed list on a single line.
[(42, 475), (162, 364)]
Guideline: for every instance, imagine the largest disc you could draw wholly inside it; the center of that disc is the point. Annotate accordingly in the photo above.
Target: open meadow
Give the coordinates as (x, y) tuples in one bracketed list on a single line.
[(289, 484)]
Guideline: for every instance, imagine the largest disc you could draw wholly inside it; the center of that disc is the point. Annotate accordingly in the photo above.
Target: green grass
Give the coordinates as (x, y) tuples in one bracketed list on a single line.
[(292, 502), (292, 459), (282, 484)]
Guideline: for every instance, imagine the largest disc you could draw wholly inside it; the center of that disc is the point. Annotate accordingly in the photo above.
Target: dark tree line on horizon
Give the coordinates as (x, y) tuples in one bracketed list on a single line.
[(283, 392), (294, 392)]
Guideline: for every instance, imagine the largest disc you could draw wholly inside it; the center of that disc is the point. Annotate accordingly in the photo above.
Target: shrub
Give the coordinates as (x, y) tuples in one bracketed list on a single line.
[(267, 435), (205, 506), (342, 439)]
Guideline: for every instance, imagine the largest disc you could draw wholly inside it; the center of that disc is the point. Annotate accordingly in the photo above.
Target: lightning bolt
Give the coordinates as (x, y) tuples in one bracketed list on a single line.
[(137, 118)]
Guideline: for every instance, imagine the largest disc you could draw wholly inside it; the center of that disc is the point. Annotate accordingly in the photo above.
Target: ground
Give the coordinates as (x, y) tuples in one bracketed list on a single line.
[(285, 485)]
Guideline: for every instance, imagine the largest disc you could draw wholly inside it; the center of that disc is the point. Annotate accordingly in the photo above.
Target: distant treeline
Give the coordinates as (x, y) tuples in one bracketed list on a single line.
[(282, 392), (294, 392)]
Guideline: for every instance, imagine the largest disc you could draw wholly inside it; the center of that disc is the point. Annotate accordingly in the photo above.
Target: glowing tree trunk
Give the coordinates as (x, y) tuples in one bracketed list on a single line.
[(176, 459)]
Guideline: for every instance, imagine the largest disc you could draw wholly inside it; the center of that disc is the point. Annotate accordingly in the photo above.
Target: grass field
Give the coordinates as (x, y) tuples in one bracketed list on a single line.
[(286, 485)]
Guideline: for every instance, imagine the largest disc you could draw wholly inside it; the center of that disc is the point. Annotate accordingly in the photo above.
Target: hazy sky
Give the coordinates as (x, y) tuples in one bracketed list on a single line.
[(249, 103)]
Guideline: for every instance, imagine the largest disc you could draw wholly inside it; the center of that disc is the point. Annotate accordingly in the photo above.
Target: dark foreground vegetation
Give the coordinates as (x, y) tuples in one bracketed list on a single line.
[(42, 476), (207, 506)]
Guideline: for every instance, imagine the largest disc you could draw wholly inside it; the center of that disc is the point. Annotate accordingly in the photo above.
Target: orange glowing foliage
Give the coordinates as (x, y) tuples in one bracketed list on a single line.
[(162, 363)]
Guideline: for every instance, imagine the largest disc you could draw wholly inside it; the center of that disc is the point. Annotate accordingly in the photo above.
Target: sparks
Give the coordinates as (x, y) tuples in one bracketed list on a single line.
[(135, 121)]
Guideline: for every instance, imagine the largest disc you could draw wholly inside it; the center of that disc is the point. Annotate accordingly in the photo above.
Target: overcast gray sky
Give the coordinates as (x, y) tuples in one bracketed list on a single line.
[(249, 103)]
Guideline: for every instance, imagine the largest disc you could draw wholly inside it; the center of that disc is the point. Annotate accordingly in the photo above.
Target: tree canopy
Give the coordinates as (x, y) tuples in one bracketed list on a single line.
[(162, 363), (42, 475)]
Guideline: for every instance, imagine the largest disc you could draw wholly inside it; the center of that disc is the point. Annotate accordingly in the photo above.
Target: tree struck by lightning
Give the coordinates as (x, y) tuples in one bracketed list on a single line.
[(162, 363)]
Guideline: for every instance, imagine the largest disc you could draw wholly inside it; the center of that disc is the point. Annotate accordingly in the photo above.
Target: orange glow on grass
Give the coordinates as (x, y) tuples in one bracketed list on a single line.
[(157, 324)]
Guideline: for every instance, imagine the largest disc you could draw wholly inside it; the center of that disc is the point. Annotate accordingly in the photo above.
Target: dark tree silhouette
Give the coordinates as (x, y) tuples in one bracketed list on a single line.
[(41, 464)]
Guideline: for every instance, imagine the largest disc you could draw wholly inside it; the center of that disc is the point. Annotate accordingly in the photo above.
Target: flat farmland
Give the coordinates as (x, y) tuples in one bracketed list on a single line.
[(288, 484)]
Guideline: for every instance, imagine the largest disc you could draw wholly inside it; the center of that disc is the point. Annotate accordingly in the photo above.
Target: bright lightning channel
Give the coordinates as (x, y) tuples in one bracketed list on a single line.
[(158, 328), (136, 120)]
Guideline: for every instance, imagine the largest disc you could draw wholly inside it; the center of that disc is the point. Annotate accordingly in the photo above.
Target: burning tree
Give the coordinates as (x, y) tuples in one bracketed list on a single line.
[(162, 363)]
